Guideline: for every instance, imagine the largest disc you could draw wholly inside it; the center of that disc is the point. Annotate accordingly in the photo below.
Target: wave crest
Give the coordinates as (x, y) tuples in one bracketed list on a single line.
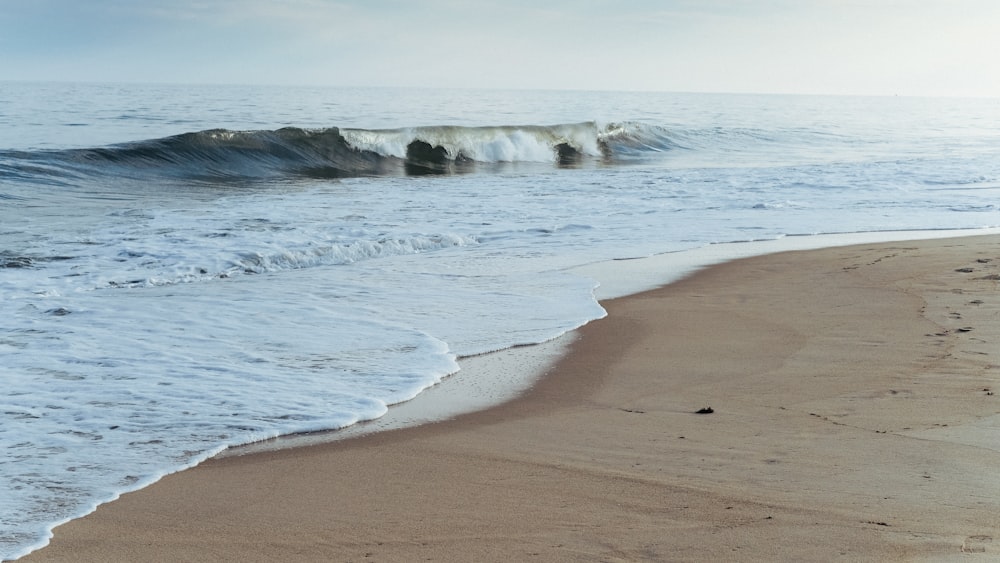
[(220, 154)]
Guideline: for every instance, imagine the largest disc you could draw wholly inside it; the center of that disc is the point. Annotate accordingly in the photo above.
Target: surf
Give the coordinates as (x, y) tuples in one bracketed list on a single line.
[(334, 152)]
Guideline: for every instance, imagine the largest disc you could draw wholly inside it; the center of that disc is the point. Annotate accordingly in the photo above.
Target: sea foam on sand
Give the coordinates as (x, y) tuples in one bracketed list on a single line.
[(491, 379)]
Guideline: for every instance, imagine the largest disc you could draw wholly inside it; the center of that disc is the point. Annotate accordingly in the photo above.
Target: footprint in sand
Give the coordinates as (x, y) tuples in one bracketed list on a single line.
[(976, 544)]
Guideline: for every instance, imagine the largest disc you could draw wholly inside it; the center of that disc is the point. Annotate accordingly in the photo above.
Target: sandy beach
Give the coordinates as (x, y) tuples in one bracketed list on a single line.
[(853, 417)]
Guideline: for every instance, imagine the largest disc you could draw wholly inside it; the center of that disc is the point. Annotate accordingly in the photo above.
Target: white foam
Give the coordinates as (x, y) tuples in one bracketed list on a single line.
[(490, 379), (483, 144)]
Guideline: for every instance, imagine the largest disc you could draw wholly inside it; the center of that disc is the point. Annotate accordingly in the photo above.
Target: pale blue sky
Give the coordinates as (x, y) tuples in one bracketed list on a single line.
[(882, 47)]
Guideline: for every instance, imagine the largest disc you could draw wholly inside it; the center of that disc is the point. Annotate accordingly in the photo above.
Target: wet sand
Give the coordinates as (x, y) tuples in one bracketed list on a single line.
[(853, 417)]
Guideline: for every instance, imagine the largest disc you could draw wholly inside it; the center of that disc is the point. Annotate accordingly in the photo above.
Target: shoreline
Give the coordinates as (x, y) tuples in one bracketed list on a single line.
[(488, 380), (484, 381), (538, 430)]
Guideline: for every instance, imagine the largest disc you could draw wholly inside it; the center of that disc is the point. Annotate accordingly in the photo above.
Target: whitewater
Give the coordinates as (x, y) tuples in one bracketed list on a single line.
[(188, 268)]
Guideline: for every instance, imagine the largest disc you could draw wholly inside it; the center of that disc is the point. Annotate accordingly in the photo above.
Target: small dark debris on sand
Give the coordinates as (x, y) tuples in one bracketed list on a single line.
[(706, 410)]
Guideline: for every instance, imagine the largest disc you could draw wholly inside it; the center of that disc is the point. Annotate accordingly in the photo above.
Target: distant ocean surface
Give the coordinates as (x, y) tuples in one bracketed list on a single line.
[(185, 268)]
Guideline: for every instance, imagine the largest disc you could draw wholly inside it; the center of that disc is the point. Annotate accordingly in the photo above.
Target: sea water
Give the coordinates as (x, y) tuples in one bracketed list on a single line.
[(187, 268)]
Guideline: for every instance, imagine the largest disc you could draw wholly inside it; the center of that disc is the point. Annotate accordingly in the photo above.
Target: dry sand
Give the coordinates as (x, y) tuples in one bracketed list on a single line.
[(854, 418)]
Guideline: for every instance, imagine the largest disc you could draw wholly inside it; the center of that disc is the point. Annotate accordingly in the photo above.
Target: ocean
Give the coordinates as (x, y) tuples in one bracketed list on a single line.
[(188, 268)]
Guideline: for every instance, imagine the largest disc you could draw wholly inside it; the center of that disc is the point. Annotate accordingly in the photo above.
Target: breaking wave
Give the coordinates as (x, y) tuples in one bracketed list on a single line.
[(219, 154)]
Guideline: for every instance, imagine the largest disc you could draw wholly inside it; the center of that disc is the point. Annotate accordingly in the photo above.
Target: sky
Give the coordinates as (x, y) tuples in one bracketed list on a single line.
[(861, 47)]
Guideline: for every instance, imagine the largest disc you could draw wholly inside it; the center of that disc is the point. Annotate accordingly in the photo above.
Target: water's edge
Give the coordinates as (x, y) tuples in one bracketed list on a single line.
[(491, 379), (482, 382)]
